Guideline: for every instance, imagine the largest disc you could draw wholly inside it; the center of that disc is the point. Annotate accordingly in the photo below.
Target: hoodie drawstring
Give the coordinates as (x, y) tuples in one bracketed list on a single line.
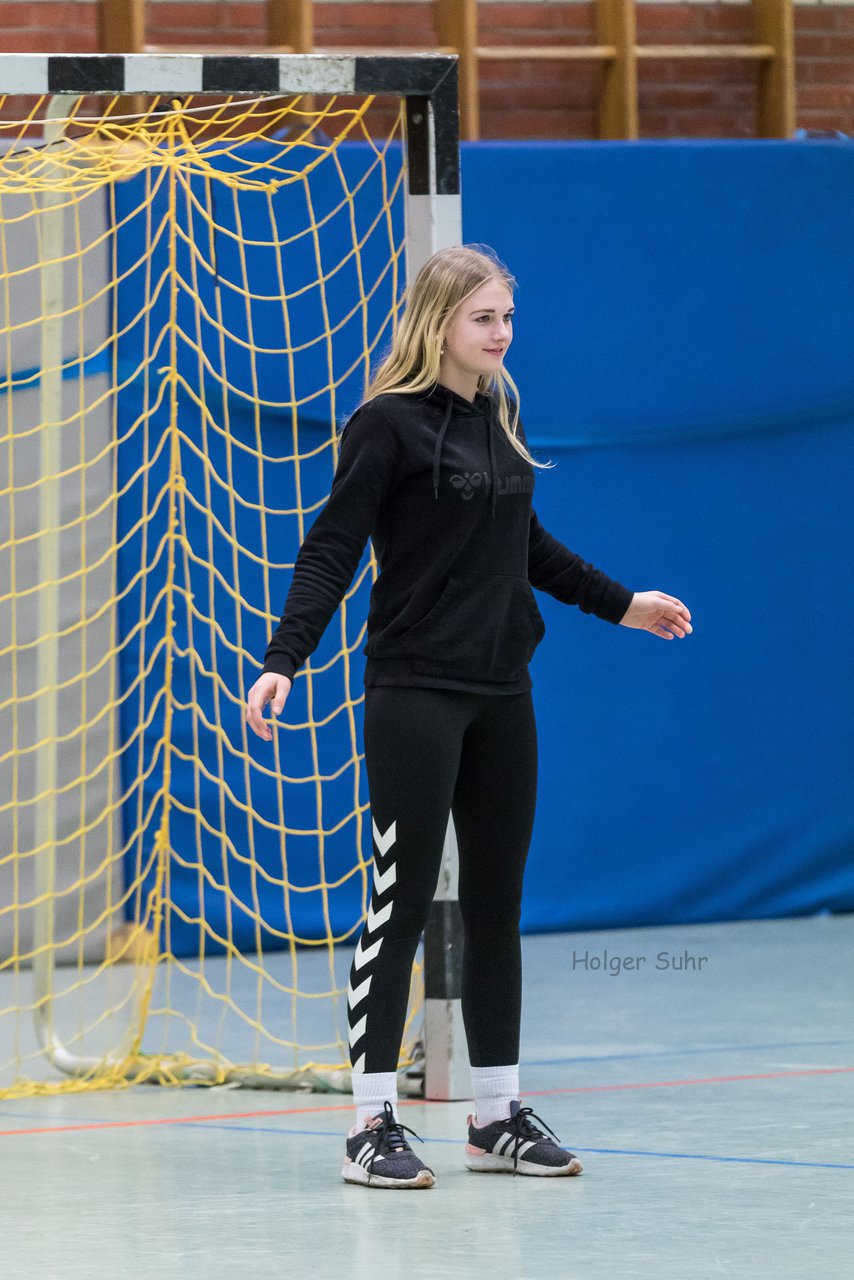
[(437, 451), (492, 460)]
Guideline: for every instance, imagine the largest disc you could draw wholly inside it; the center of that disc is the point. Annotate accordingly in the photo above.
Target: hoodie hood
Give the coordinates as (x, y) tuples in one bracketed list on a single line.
[(451, 405)]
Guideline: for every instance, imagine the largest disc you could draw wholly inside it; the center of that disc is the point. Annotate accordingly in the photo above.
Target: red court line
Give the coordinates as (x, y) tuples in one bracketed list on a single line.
[(137, 1124), (416, 1102), (666, 1084)]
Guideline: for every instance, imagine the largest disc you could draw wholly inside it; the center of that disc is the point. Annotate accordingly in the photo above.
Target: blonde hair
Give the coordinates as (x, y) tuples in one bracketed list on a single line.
[(445, 281)]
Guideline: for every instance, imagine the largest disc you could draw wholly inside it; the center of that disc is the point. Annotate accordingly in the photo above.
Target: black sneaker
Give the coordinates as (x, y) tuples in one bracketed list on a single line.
[(380, 1156), (516, 1145)]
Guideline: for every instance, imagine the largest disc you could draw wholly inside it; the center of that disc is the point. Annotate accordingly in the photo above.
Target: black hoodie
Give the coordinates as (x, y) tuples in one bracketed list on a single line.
[(432, 479)]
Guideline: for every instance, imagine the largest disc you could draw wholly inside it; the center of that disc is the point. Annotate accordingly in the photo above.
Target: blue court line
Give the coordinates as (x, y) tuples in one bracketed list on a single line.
[(602, 1151), (279, 1131), (687, 1155), (675, 1053)]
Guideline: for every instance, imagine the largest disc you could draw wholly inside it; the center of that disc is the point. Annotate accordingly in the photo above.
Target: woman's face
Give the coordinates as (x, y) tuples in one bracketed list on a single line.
[(481, 331)]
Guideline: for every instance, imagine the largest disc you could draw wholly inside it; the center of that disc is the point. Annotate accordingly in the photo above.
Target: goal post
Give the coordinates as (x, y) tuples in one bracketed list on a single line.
[(77, 362)]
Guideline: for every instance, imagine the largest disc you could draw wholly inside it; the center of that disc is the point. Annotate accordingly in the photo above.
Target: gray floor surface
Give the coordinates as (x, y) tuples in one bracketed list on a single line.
[(711, 1105)]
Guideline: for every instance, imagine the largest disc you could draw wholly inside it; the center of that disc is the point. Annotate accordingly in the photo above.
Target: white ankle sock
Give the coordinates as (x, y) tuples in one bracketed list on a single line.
[(370, 1090), (494, 1089)]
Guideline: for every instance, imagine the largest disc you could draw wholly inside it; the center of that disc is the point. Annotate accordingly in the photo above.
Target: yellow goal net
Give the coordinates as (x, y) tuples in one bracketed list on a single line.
[(194, 286)]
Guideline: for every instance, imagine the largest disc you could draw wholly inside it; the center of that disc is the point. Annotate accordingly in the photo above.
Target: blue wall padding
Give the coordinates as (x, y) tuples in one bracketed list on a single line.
[(687, 361), (229, 379)]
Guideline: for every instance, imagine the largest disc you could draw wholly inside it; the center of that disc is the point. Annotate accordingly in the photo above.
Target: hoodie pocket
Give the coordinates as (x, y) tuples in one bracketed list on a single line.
[(483, 628)]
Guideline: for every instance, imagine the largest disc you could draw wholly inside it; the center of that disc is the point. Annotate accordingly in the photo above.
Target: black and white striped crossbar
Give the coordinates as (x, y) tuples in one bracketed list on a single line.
[(404, 74), (420, 78)]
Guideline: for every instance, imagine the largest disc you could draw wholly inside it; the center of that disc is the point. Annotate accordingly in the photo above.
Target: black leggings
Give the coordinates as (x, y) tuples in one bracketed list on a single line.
[(430, 752)]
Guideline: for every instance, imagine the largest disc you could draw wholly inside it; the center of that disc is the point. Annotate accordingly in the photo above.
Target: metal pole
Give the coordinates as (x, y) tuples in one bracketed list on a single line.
[(50, 465), (433, 211)]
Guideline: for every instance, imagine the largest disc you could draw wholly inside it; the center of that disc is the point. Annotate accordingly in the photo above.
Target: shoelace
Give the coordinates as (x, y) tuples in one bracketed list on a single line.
[(524, 1130), (390, 1132)]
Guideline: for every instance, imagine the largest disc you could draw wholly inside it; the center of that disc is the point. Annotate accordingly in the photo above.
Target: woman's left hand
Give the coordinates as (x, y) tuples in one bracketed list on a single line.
[(659, 613)]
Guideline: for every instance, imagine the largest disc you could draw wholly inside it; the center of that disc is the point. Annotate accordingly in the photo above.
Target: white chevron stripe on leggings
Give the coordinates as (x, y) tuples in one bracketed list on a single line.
[(385, 842), (357, 1031), (384, 879), (355, 994), (376, 918), (365, 954), (368, 947)]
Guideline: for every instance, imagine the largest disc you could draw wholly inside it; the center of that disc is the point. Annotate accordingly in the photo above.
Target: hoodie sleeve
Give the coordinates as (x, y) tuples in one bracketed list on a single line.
[(552, 567), (333, 546)]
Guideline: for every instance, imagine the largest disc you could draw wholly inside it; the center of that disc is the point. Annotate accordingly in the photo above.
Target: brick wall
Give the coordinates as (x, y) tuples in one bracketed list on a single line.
[(526, 99)]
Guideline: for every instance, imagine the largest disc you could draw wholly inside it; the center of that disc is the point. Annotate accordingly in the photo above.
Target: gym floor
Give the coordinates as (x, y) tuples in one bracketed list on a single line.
[(710, 1101)]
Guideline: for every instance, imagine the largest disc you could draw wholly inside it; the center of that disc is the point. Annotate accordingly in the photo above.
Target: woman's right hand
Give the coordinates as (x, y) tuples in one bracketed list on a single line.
[(267, 687)]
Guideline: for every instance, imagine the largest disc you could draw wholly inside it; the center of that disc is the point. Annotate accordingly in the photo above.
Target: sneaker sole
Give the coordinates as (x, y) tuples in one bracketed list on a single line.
[(504, 1164), (354, 1173)]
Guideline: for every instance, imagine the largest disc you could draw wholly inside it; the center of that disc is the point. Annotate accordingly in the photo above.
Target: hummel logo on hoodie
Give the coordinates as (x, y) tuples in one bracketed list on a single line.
[(432, 480), (467, 485)]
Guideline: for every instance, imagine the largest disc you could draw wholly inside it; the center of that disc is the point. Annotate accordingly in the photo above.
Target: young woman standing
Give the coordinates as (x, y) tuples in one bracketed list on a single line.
[(434, 468)]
